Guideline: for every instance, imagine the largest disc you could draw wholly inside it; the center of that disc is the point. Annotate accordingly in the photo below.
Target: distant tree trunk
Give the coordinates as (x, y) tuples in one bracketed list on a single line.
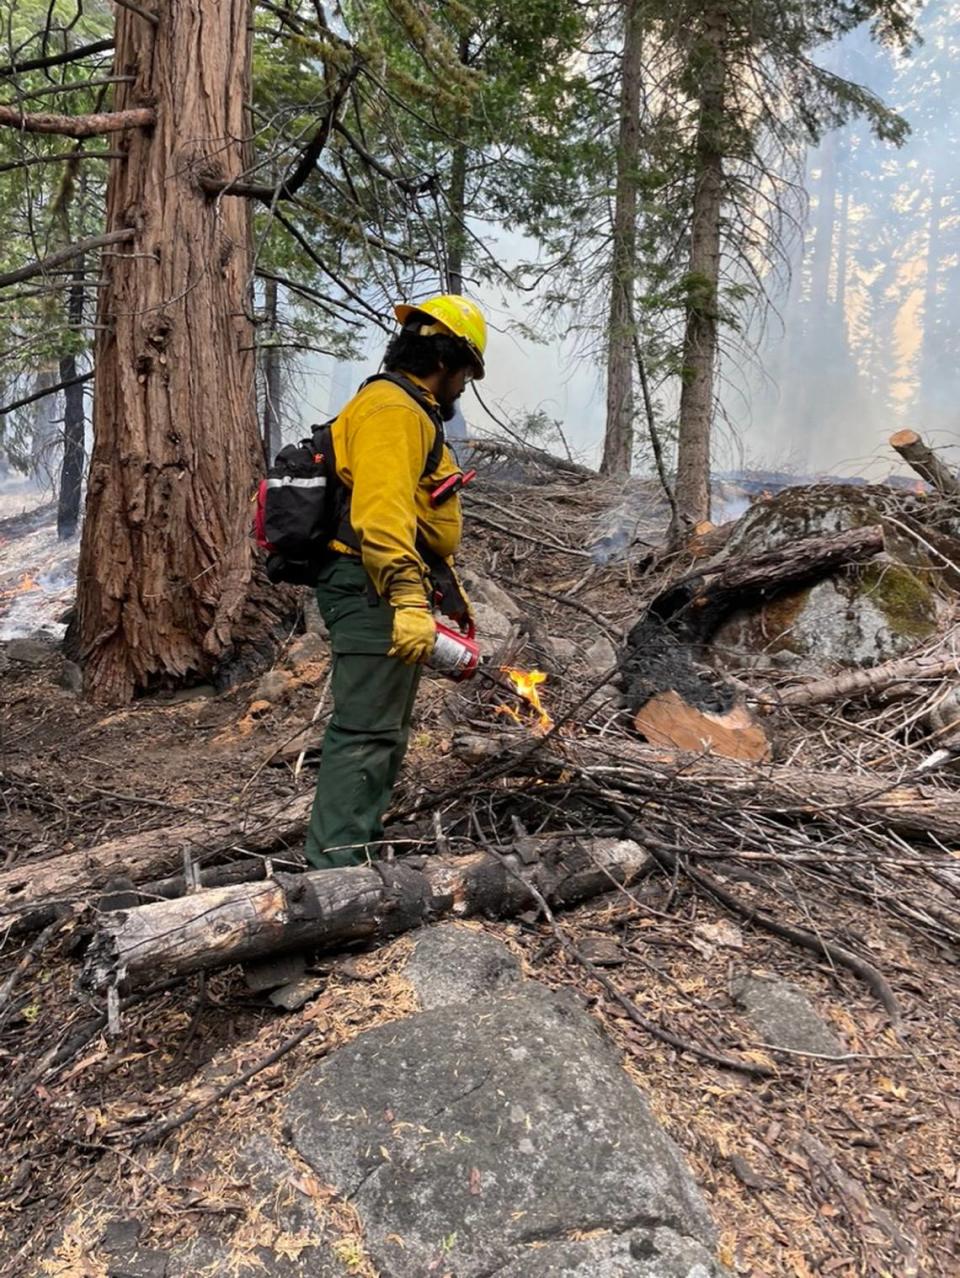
[(272, 425), (165, 560), (71, 469), (457, 197), (700, 332), (45, 436), (843, 243), (618, 437)]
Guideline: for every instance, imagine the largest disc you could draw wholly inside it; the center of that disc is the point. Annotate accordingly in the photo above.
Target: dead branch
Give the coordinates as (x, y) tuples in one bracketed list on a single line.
[(57, 59), (628, 1005), (47, 390), (30, 160), (795, 793), (287, 187), (330, 908), (69, 254), (858, 683), (30, 899), (925, 462), (501, 450), (79, 126), (146, 14), (151, 1135)]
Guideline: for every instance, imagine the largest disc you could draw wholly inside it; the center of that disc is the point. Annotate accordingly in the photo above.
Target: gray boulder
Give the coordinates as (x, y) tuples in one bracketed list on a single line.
[(784, 1016), (856, 617), (451, 964), (466, 1134)]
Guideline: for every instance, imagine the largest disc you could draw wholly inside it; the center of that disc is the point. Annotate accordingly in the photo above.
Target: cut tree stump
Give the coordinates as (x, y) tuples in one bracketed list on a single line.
[(331, 908), (921, 458), (666, 719)]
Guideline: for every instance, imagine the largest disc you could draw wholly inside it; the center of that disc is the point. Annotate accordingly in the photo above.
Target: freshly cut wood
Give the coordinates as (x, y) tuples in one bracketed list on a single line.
[(32, 893), (916, 810), (925, 462), (329, 908), (667, 719)]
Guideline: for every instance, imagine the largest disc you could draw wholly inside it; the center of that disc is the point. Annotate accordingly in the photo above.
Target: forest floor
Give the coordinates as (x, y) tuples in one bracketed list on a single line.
[(843, 1163)]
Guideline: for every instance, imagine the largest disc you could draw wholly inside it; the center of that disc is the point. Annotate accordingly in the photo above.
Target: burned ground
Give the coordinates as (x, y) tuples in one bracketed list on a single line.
[(812, 1163)]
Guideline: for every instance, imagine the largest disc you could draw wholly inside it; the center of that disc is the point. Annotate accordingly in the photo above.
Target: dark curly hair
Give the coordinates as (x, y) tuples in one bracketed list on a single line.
[(409, 352)]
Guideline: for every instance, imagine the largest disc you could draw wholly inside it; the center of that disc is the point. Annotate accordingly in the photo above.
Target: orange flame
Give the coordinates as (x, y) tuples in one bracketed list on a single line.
[(919, 487), (509, 711), (26, 582), (526, 683)]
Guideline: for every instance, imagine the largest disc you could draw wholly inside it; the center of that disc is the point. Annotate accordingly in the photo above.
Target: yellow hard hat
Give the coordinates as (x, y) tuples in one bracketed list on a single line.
[(460, 316)]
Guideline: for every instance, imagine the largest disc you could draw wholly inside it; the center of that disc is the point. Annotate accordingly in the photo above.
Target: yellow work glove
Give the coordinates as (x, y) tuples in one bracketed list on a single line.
[(414, 634)]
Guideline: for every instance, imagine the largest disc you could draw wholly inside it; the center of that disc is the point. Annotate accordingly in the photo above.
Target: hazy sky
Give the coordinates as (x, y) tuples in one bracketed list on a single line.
[(766, 427)]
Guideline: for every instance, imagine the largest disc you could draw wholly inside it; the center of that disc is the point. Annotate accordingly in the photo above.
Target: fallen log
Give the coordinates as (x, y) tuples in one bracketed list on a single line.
[(33, 893), (922, 811), (921, 458), (858, 683), (330, 908), (694, 605)]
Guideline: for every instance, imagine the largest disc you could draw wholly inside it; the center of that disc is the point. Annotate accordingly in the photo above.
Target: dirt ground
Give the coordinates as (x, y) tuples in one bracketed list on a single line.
[(826, 1167)]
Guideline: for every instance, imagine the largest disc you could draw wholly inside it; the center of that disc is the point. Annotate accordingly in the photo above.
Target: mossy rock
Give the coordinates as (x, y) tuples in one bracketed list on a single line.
[(858, 616)]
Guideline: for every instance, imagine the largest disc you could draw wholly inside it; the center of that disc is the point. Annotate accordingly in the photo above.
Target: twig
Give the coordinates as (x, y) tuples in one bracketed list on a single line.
[(628, 1005), (36, 946), (160, 1130)]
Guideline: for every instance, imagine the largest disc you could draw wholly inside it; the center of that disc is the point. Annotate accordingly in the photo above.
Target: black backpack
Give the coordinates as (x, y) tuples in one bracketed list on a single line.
[(302, 504)]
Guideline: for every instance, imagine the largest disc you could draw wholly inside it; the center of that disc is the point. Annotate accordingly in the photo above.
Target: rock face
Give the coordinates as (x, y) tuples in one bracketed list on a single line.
[(495, 1134), (466, 1135), (856, 618)]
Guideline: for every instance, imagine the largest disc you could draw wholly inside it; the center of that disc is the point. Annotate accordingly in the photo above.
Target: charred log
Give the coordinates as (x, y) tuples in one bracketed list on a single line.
[(330, 908), (665, 644)]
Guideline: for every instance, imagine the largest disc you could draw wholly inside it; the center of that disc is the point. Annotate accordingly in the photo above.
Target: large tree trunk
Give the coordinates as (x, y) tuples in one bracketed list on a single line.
[(618, 438), (331, 908), (165, 559), (700, 334), (74, 421)]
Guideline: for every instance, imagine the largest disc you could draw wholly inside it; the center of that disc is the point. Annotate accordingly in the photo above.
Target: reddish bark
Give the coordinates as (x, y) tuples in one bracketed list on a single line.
[(165, 560)]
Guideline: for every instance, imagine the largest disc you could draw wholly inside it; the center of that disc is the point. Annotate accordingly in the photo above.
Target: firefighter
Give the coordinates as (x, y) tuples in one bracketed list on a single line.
[(389, 562)]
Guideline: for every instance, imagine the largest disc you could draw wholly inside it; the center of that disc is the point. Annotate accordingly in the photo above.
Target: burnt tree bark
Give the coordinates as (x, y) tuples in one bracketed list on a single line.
[(165, 559), (618, 437), (331, 908), (700, 337)]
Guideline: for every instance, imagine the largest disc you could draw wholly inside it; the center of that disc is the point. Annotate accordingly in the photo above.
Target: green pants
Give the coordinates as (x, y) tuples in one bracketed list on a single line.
[(367, 735)]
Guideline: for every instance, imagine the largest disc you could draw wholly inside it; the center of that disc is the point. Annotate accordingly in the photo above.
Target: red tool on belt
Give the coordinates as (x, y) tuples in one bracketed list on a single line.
[(445, 490)]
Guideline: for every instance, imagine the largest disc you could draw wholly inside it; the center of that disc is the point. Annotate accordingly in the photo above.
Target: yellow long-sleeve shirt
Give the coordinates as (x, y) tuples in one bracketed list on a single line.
[(381, 440)]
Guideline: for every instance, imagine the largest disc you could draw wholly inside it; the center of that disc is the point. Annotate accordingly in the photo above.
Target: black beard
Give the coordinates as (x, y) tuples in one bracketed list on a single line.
[(447, 411)]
